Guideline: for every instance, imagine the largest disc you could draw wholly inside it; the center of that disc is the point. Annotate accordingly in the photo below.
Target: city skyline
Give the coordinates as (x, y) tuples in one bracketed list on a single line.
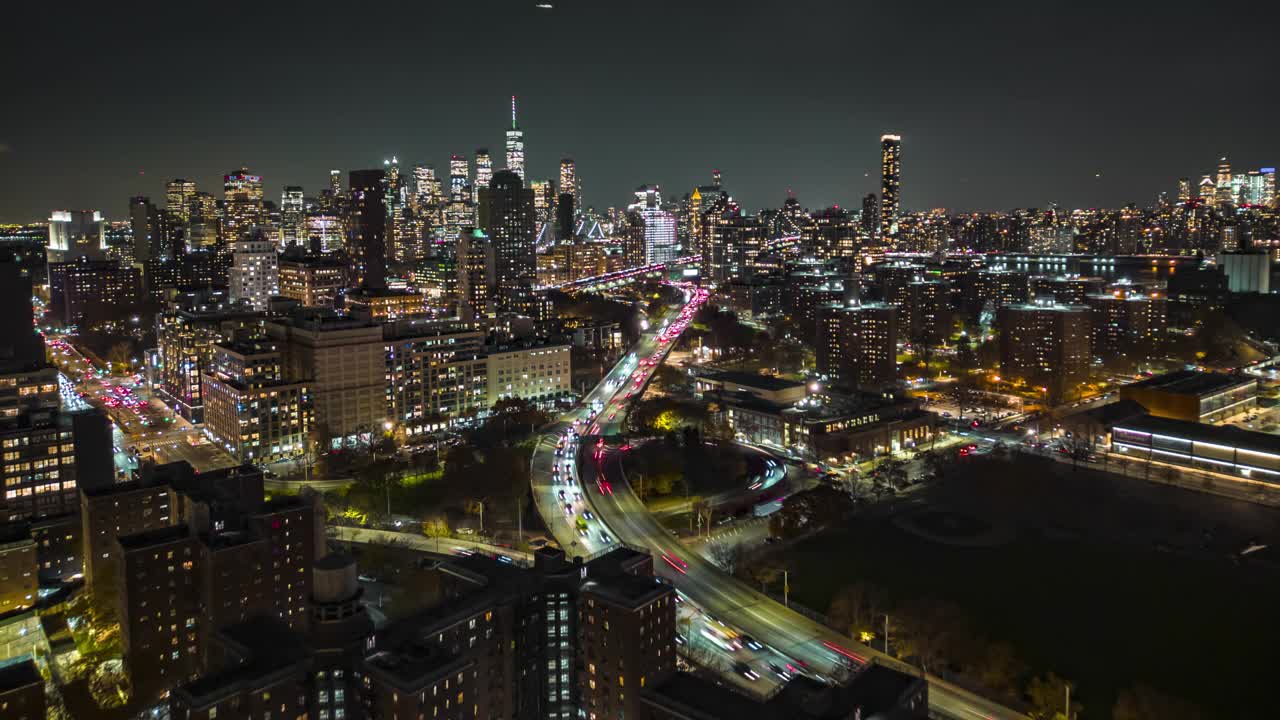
[(1025, 120)]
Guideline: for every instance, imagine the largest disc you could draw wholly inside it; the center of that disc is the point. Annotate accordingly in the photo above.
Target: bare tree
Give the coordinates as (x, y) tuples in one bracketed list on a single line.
[(725, 555)]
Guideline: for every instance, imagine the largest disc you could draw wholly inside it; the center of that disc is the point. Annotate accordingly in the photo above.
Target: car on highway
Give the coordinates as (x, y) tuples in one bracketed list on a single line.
[(781, 672), (745, 671), (568, 509), (604, 537)]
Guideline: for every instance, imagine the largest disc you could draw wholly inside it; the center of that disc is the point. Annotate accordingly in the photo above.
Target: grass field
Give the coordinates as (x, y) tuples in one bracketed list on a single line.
[(1135, 592)]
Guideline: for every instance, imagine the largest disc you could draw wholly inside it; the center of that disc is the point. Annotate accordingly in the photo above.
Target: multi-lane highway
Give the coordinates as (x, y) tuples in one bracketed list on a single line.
[(621, 516)]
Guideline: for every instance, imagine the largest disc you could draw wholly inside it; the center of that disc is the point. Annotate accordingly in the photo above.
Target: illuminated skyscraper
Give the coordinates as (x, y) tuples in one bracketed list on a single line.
[(426, 187), (242, 201), (1184, 190), (658, 226), (178, 195), (1268, 197), (293, 219), (890, 183), (459, 178), (202, 223), (515, 144), (335, 182), (569, 178), (1208, 191), (544, 204), (1222, 193), (367, 228), (507, 216), (484, 170)]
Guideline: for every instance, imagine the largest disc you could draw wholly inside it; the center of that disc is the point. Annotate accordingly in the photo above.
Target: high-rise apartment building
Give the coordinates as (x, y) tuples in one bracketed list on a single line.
[(869, 221), (540, 374), (1128, 326), (926, 313), (220, 556), (84, 292), (477, 277), (831, 233), (890, 184), (343, 360), (38, 441), (185, 334), (434, 371), (250, 409), (255, 271), (566, 218), (515, 144), (507, 217), (1045, 343), (857, 344), (367, 228), (736, 240), (242, 205), (150, 240), (78, 233)]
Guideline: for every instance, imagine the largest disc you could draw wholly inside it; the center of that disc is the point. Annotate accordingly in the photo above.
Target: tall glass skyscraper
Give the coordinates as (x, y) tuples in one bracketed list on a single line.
[(515, 144), (484, 170)]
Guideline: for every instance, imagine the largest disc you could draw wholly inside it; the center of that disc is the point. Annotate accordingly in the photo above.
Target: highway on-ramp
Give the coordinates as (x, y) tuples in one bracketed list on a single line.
[(580, 467)]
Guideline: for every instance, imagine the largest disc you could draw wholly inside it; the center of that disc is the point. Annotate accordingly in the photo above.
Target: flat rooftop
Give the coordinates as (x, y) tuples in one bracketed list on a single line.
[(771, 383), (17, 674), (1191, 382), (630, 591), (266, 646)]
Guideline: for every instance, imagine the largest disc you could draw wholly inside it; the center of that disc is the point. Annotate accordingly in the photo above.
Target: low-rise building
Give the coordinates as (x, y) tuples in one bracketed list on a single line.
[(1194, 396), (831, 426), (1228, 450), (770, 388)]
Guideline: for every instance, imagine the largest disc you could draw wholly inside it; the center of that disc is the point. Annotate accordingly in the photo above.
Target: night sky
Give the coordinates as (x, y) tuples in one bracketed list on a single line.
[(1000, 105)]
